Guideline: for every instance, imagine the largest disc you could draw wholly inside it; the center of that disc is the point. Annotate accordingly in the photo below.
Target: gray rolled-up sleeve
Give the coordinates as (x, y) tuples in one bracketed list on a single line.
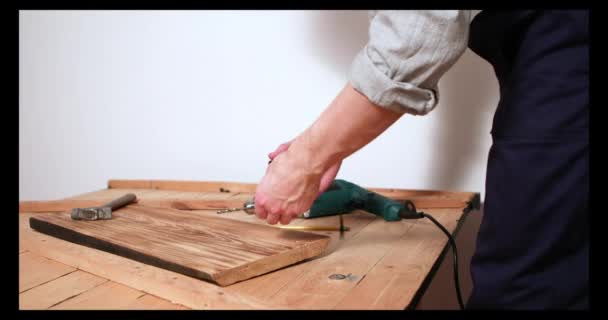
[(407, 53)]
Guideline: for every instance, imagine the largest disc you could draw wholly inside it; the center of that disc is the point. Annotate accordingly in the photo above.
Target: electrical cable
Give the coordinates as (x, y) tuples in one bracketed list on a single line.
[(455, 253)]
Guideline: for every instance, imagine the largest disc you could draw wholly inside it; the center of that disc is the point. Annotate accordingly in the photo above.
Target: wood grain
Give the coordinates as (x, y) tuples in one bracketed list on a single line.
[(200, 186), (150, 302), (390, 281), (109, 295), (57, 205), (115, 296), (223, 251), (53, 292), (67, 205), (422, 198), (266, 286), (422, 202), (35, 270), (216, 186), (167, 284)]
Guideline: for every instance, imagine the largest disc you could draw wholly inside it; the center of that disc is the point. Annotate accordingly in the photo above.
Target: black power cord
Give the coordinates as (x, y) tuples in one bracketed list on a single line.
[(411, 213), (455, 252)]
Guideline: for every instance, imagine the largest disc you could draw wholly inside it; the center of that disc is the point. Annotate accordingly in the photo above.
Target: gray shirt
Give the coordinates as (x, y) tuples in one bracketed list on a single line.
[(407, 53)]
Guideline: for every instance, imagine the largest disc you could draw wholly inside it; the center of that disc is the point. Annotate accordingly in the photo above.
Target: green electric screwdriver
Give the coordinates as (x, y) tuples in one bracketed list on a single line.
[(344, 197)]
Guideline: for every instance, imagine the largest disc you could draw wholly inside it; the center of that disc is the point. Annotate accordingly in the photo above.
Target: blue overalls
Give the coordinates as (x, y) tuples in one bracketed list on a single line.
[(533, 244)]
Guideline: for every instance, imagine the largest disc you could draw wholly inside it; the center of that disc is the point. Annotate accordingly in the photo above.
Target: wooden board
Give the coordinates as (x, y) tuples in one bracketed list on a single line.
[(67, 205), (421, 198), (169, 285), (216, 249)]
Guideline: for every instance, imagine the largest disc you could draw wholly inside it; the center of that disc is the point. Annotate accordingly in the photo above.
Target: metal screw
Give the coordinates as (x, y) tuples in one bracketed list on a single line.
[(337, 276)]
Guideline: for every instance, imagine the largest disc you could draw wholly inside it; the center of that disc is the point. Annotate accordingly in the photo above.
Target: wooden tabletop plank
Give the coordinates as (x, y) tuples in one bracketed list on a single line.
[(35, 270), (107, 194), (388, 284), (315, 289), (150, 302), (198, 186), (426, 196), (46, 295), (109, 295)]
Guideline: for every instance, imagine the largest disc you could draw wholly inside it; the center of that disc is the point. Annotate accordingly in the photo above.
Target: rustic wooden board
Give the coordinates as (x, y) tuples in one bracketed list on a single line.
[(223, 251), (169, 285)]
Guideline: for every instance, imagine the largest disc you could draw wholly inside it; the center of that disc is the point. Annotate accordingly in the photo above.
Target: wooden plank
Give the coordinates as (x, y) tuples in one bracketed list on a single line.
[(355, 258), (422, 202), (421, 198), (51, 293), (266, 286), (216, 186), (392, 192), (129, 184), (150, 302), (201, 186), (35, 270), (205, 204), (431, 202), (215, 249), (109, 194), (205, 186), (110, 295), (57, 205), (390, 286), (67, 205), (172, 286)]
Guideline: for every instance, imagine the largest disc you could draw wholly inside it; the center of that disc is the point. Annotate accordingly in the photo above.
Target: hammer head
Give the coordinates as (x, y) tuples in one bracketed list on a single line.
[(99, 213), (103, 212)]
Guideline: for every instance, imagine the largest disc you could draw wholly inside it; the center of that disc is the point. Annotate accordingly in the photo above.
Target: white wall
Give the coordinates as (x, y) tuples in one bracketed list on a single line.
[(205, 95)]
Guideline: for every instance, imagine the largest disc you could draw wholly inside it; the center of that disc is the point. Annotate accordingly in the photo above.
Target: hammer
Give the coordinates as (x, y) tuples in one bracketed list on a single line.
[(103, 212)]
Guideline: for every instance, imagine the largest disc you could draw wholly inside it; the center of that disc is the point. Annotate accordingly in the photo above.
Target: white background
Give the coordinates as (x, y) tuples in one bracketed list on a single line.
[(206, 95)]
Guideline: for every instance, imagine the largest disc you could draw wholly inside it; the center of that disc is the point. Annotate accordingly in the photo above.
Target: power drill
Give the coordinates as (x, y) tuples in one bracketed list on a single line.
[(344, 197)]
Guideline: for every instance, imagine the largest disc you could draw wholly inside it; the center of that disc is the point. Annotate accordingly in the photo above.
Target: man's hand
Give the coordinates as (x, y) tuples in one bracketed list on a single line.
[(305, 167), (327, 179), (288, 188)]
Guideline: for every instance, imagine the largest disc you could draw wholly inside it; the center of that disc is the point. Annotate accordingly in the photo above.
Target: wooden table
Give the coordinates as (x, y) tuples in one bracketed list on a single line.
[(388, 265)]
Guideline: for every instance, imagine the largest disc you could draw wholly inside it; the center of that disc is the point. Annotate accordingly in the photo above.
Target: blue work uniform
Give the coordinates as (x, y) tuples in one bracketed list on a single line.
[(533, 244)]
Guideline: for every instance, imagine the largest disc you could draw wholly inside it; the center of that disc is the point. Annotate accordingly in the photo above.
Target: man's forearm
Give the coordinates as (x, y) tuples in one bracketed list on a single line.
[(347, 125)]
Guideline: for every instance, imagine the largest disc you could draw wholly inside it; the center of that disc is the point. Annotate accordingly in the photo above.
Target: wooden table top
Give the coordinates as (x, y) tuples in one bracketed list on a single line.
[(385, 263)]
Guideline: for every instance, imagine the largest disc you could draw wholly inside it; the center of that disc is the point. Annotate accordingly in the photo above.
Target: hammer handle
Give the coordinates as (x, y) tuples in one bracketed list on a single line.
[(121, 202)]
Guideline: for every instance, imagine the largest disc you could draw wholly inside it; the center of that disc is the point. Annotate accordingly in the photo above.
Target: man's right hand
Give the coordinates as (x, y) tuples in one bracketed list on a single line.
[(328, 177)]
